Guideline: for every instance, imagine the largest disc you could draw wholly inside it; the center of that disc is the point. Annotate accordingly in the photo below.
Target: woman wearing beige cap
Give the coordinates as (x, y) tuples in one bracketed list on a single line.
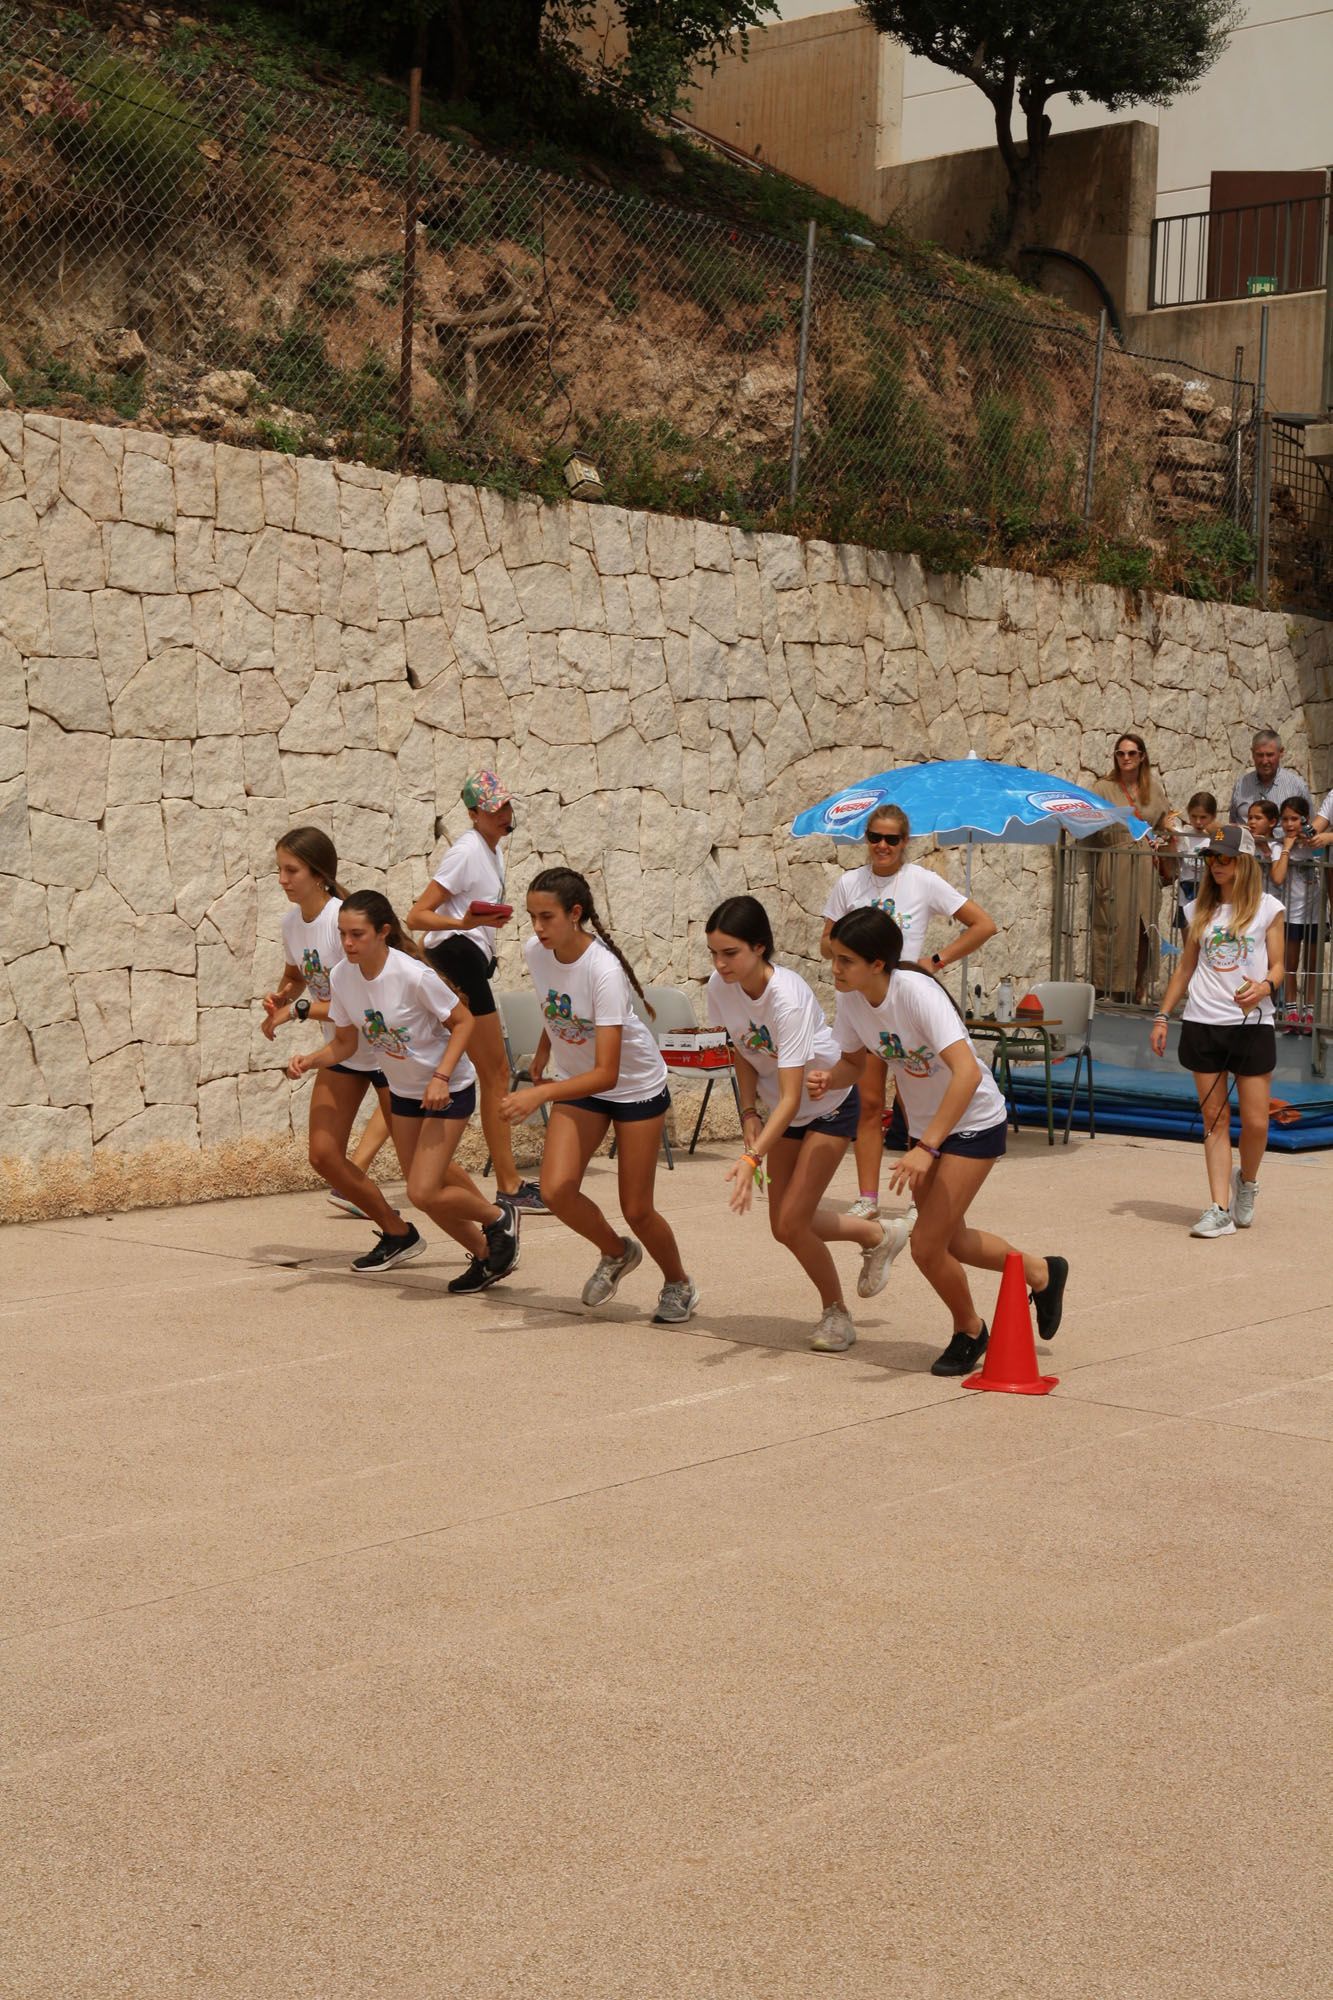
[(460, 910)]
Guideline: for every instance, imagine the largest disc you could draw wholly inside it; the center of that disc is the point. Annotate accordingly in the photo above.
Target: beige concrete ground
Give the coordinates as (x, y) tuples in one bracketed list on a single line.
[(363, 1642)]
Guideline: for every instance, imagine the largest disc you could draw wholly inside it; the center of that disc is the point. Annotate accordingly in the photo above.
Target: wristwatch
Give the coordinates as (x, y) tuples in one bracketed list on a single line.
[(937, 961), (301, 1009)]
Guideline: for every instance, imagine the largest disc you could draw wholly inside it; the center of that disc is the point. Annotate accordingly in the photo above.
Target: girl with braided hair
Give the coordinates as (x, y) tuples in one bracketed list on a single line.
[(606, 1071)]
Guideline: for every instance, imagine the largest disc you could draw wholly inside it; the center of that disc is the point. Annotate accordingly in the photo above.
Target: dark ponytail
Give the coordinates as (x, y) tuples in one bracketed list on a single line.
[(744, 917), (571, 891), (874, 936), (312, 845), (370, 903)]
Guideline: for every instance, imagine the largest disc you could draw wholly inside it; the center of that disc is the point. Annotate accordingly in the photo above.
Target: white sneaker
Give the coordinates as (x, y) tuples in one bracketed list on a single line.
[(604, 1281), (1215, 1221), (876, 1261), (835, 1332), (1242, 1200), (348, 1207), (866, 1209), (676, 1303)]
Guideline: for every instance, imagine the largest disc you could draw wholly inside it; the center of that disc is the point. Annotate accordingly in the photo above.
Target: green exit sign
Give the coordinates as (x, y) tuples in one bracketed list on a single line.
[(1258, 287)]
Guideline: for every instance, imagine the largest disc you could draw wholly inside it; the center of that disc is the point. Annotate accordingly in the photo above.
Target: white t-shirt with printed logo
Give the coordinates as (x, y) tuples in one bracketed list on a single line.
[(314, 948), (1299, 893), (576, 1000), (784, 1028), (399, 1018), (911, 897), (913, 1023), (472, 871), (1226, 962)]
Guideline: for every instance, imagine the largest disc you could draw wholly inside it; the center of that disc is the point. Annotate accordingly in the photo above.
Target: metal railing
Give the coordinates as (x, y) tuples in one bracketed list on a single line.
[(1118, 922), (1300, 518), (1237, 253)]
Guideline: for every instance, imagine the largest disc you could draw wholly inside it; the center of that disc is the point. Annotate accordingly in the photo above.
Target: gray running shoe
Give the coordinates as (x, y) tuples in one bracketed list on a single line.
[(866, 1209), (1242, 1200), (601, 1286), (875, 1262), (835, 1332), (677, 1303), (1215, 1221)]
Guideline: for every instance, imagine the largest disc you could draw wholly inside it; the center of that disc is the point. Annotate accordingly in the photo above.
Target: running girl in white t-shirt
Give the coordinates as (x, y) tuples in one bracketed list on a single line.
[(911, 896), (389, 1007), (460, 910), (607, 1071), (956, 1116), (1231, 965), (778, 1035), (308, 877)]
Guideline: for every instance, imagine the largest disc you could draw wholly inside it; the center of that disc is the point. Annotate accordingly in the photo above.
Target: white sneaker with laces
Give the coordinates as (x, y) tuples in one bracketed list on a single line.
[(1215, 1221), (875, 1262), (835, 1332), (1242, 1200), (676, 1303), (866, 1209), (604, 1281)]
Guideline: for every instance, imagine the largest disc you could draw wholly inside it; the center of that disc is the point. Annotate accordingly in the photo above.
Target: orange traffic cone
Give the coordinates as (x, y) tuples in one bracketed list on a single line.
[(1011, 1357)]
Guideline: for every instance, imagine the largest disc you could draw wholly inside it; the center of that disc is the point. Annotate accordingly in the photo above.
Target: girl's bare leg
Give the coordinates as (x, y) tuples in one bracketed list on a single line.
[(372, 1139), (440, 1190), (636, 1173), (1253, 1092), (1213, 1103), (334, 1102), (870, 1128), (949, 1242), (572, 1137), (800, 1172)]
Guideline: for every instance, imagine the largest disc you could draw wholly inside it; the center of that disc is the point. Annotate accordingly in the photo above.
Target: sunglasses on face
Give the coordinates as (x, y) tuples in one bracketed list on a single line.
[(884, 839)]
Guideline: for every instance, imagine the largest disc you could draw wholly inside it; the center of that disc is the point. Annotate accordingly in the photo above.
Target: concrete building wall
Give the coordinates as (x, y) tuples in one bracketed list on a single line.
[(1208, 335), (201, 646)]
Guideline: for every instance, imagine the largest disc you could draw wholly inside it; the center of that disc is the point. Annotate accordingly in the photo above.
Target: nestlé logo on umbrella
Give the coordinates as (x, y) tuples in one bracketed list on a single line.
[(851, 807)]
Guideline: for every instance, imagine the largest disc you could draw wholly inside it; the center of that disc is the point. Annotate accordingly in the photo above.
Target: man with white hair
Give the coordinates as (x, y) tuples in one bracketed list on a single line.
[(1269, 778)]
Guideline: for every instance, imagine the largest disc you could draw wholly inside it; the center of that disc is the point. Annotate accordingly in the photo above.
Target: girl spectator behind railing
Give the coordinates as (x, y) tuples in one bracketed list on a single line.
[(1128, 888), (1296, 880), (1201, 813)]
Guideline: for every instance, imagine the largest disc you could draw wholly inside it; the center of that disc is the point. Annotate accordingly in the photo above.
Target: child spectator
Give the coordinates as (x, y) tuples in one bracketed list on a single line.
[(1262, 818), (1204, 825), (1296, 878)]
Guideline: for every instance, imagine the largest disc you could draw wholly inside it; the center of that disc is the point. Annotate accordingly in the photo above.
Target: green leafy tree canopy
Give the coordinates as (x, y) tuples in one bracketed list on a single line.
[(1022, 53)]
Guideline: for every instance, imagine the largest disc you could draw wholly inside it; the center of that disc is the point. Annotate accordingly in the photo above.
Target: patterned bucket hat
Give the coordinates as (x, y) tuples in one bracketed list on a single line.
[(483, 792)]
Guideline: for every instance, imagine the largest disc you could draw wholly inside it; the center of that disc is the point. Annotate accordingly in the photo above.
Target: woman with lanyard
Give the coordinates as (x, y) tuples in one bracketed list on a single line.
[(1127, 890), (308, 876), (778, 1034), (389, 1006), (911, 895), (1232, 962), (608, 1076), (460, 910), (956, 1114)]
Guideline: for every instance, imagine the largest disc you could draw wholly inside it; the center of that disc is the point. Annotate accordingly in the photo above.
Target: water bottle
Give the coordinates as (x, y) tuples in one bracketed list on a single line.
[(1004, 1000)]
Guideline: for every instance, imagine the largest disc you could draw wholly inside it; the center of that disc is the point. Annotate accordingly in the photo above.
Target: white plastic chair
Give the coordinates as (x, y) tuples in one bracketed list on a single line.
[(521, 1028), (1071, 1002)]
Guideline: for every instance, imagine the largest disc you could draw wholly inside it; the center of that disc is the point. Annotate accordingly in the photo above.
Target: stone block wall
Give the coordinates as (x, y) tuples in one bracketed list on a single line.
[(201, 646)]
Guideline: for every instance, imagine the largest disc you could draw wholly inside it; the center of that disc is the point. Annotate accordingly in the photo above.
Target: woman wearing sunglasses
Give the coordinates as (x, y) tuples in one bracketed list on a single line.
[(911, 895)]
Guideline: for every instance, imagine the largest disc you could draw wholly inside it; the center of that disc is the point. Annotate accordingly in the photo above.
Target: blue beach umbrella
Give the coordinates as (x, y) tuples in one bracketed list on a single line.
[(968, 801)]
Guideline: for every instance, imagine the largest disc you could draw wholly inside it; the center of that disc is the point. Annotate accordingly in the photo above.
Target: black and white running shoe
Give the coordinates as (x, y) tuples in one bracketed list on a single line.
[(391, 1250)]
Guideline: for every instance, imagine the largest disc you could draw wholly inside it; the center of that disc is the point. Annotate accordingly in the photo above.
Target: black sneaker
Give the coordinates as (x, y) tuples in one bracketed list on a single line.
[(502, 1242), (1050, 1304), (391, 1250), (962, 1354), (476, 1278), (526, 1198)]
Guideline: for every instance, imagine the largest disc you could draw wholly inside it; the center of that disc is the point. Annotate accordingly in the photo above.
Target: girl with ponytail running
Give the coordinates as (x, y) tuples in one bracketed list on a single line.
[(308, 877), (389, 1007), (892, 1008), (608, 1072)]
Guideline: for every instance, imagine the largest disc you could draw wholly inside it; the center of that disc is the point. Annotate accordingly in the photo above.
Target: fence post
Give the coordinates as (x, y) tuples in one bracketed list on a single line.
[(1236, 379), (1094, 420), (1258, 470), (802, 357), (410, 202)]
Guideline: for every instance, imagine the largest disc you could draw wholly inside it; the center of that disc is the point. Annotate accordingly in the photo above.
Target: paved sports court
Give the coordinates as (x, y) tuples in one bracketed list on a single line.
[(364, 1642)]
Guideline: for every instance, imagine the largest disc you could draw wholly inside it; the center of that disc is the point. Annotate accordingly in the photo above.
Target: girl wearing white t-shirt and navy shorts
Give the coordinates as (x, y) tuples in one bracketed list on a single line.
[(608, 1074), (778, 1036), (460, 910), (911, 896), (388, 1006), (956, 1116), (308, 877), (1233, 961)]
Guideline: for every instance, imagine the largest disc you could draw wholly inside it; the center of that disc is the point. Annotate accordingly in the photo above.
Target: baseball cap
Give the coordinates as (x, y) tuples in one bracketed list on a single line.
[(483, 792), (1232, 840)]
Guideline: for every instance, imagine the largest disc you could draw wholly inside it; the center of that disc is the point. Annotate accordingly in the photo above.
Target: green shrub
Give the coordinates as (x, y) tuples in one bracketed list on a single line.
[(124, 133), (1215, 560), (1125, 565), (718, 279)]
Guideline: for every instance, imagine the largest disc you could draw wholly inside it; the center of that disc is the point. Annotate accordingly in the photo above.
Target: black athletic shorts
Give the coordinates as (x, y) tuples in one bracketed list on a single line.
[(375, 1077), (988, 1144), (621, 1111), (467, 968), (461, 1105), (1236, 1049), (840, 1123)]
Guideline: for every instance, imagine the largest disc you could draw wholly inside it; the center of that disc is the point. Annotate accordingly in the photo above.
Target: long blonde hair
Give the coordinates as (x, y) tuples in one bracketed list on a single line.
[(1246, 891)]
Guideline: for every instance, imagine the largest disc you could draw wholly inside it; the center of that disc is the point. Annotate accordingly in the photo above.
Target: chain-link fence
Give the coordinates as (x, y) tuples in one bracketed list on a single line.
[(186, 244)]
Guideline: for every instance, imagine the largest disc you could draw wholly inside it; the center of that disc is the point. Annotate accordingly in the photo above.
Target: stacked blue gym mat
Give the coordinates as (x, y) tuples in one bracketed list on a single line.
[(1162, 1102)]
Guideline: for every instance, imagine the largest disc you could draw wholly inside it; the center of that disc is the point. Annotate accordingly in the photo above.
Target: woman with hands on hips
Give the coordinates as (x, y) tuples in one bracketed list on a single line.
[(899, 1013)]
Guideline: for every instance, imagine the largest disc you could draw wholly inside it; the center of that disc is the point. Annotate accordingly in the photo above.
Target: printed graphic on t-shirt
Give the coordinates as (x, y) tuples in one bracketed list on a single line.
[(1223, 950), (759, 1038), (395, 1043), (315, 973), (916, 1062), (558, 1013)]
